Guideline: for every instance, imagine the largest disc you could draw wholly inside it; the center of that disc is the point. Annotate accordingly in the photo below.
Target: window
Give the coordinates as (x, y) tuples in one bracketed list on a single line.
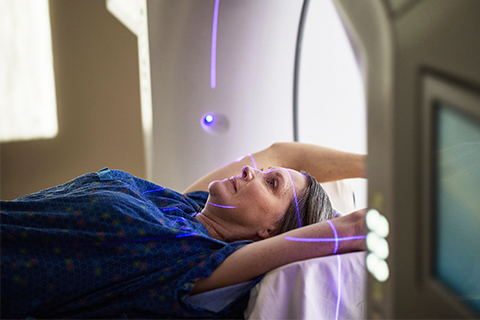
[(28, 107)]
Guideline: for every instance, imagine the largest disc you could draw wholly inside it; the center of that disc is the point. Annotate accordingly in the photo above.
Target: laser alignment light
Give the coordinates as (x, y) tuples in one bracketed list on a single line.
[(339, 264), (208, 119), (377, 245), (213, 122), (222, 206), (377, 223), (254, 163), (213, 57), (372, 217), (377, 267), (192, 234)]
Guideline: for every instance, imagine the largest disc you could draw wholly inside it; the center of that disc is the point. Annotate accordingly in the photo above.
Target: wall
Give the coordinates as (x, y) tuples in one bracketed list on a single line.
[(96, 74), (254, 90)]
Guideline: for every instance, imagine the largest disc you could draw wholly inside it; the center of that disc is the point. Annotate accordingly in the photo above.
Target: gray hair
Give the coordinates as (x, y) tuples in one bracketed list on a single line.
[(314, 206)]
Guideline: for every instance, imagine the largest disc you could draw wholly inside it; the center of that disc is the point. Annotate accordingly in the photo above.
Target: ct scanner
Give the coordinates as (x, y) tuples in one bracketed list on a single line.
[(415, 58)]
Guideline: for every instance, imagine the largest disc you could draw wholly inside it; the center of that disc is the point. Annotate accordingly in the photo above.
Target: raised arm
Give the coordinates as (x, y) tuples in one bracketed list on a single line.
[(260, 257), (324, 164)]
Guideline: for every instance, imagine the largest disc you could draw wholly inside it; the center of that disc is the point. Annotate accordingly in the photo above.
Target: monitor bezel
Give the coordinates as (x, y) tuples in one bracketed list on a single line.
[(465, 100)]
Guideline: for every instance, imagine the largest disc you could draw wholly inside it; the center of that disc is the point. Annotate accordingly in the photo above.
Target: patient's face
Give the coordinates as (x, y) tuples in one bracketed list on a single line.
[(260, 199)]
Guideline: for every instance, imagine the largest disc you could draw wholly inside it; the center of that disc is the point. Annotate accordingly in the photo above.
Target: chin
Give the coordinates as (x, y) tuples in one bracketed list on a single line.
[(210, 185), (216, 188)]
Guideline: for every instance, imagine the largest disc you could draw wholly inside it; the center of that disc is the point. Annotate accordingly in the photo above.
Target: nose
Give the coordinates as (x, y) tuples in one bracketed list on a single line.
[(248, 173)]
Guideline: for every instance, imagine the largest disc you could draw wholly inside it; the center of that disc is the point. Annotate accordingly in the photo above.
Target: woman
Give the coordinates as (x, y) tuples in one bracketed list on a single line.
[(110, 245)]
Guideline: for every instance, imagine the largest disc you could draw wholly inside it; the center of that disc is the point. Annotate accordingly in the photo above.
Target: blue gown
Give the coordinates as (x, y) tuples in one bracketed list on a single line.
[(108, 245)]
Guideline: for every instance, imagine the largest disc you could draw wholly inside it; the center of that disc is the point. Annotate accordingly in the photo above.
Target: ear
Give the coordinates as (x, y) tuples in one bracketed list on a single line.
[(265, 233)]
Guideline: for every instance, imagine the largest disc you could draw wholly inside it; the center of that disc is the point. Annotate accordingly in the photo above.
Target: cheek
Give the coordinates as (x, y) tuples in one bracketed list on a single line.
[(268, 204), (255, 194), (277, 207), (256, 198)]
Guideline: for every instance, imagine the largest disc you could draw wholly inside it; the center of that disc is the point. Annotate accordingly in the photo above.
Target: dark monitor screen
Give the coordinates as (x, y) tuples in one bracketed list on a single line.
[(457, 203)]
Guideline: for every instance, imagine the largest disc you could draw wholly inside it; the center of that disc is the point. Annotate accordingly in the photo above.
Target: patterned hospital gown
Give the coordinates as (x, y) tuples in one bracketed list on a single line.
[(108, 245)]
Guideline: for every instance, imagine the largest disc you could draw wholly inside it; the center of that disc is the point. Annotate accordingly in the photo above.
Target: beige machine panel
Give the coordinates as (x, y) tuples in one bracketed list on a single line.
[(400, 44)]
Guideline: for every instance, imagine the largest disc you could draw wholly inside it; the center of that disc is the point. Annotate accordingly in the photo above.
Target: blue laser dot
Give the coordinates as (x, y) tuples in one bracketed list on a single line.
[(208, 119)]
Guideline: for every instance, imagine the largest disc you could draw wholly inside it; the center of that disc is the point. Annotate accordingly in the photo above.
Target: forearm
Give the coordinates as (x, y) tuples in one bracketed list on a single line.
[(324, 164), (260, 257)]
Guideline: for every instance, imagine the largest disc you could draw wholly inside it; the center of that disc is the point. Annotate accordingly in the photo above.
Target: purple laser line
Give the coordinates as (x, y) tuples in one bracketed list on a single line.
[(221, 206), (335, 234), (255, 164), (339, 261), (325, 239), (168, 209), (253, 160), (293, 187), (213, 62), (251, 157), (132, 241), (240, 158), (295, 196), (154, 190)]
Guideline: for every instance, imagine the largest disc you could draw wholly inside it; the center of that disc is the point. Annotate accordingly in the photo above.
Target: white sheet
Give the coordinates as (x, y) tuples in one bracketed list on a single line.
[(312, 289), (347, 195)]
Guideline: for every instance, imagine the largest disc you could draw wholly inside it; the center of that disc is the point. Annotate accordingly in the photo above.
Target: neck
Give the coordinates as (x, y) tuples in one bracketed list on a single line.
[(215, 229)]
